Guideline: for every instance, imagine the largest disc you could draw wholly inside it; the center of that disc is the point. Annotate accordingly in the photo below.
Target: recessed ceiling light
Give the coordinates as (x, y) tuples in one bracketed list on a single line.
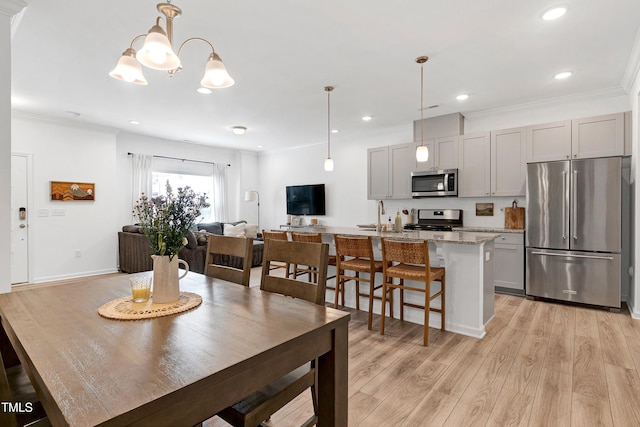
[(204, 90), (259, 146), (462, 97), (239, 130), (367, 118), (554, 13), (334, 131), (563, 75), (134, 122)]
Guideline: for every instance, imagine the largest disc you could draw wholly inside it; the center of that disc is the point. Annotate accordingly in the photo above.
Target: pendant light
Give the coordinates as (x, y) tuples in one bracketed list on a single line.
[(422, 151), (328, 162)]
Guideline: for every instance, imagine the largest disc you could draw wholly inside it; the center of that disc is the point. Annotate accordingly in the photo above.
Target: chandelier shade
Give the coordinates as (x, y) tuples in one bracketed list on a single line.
[(158, 53), (215, 74), (128, 69)]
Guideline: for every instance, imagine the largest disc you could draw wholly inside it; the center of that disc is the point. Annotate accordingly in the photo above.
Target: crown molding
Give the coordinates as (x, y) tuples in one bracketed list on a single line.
[(11, 7), (633, 65), (546, 103)]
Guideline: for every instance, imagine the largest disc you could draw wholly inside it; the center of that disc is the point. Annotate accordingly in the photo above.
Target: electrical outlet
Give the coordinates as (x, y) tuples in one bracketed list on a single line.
[(58, 212), (43, 212), (77, 253), (487, 256)]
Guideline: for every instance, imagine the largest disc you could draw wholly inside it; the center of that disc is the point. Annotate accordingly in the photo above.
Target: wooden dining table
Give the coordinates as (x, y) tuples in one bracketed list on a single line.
[(174, 370)]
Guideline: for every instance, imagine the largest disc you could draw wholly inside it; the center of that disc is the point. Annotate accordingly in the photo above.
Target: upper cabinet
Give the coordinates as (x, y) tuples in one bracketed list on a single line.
[(474, 176), (389, 173), (589, 137), (550, 141), (600, 136), (493, 164), (443, 154), (508, 162)]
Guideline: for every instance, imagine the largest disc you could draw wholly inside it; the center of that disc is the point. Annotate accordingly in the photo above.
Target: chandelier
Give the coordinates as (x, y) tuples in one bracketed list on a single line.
[(157, 53)]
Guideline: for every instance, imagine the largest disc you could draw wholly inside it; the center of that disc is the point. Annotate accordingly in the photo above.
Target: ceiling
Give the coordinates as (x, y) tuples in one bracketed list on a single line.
[(282, 53)]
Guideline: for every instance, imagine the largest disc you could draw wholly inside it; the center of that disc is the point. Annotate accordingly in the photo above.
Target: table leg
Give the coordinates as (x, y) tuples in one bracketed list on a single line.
[(333, 381)]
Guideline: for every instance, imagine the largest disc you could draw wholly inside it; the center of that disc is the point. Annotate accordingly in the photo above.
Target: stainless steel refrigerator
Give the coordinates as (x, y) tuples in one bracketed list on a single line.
[(574, 230)]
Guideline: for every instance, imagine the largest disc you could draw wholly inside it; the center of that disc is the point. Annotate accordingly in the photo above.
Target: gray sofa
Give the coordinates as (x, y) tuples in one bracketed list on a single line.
[(134, 253)]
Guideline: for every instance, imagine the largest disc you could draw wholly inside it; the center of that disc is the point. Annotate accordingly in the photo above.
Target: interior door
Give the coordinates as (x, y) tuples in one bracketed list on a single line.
[(19, 220)]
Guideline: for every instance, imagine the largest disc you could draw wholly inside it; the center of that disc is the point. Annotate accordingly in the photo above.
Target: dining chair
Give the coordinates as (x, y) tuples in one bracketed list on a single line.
[(221, 247), (260, 405), (16, 388), (355, 254), (409, 260), (276, 235), (313, 238)]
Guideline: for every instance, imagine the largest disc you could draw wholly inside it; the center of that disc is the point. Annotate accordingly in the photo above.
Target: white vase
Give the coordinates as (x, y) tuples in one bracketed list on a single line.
[(165, 278)]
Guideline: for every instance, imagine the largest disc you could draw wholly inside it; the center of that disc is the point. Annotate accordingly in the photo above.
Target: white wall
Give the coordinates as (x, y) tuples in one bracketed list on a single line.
[(67, 153), (5, 151)]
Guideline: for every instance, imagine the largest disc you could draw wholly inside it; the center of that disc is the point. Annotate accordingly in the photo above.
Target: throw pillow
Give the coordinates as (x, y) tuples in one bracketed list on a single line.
[(211, 227), (234, 230), (251, 231), (192, 242), (202, 237)]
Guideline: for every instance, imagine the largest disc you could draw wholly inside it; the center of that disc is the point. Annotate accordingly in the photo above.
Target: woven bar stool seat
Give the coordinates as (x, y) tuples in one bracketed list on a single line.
[(310, 238), (356, 254), (409, 260)]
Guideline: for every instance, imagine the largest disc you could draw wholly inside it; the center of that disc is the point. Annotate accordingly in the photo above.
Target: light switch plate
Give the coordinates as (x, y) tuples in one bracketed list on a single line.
[(58, 212), (43, 212)]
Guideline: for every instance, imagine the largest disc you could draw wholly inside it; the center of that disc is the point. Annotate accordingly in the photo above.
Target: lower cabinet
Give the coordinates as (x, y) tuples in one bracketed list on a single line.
[(508, 264)]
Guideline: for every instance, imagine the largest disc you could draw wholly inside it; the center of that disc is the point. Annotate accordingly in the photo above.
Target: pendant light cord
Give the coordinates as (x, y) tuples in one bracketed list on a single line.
[(421, 60), (328, 89)]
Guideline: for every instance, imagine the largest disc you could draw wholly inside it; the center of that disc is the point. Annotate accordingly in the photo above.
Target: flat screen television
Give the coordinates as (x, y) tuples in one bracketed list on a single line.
[(305, 200)]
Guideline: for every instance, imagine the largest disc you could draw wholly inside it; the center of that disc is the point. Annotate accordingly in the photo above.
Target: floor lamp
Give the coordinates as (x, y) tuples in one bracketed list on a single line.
[(250, 196)]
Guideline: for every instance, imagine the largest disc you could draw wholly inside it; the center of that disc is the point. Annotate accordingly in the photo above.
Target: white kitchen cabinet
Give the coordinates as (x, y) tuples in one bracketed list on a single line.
[(508, 162), (443, 154), (474, 174), (508, 263), (600, 136), (389, 172), (589, 137), (549, 141)]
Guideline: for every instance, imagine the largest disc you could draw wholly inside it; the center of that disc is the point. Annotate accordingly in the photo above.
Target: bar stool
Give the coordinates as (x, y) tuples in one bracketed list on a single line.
[(356, 254), (410, 260), (277, 235), (310, 238)]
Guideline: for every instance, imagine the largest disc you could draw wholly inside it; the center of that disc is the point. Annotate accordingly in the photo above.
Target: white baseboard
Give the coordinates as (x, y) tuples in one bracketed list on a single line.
[(635, 312), (73, 275)]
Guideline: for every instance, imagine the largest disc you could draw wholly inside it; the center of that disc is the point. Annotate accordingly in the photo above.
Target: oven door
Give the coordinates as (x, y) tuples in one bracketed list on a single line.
[(434, 184)]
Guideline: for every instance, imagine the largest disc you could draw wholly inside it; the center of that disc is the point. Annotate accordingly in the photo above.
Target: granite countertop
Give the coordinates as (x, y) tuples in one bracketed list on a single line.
[(488, 230), (458, 237)]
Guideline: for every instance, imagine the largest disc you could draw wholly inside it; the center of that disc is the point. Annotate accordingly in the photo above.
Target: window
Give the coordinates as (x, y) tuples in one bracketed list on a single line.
[(199, 176), (199, 183)]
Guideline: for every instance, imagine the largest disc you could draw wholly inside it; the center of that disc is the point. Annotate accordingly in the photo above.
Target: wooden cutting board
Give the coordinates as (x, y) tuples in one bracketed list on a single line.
[(514, 218)]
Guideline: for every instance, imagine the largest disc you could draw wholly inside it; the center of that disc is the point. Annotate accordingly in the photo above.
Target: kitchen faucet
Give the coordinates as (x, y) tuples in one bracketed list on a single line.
[(380, 212)]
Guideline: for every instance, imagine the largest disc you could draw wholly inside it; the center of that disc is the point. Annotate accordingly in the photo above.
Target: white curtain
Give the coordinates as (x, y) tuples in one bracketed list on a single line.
[(141, 176), (219, 197)]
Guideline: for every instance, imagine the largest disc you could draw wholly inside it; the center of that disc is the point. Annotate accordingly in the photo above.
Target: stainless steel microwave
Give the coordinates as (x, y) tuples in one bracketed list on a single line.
[(442, 183)]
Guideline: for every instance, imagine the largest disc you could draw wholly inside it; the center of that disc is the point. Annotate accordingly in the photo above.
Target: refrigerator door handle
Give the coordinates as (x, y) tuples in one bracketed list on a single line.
[(575, 204), (608, 258), (564, 206)]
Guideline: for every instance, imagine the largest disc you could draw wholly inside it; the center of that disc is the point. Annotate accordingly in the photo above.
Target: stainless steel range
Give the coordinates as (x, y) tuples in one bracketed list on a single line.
[(436, 220)]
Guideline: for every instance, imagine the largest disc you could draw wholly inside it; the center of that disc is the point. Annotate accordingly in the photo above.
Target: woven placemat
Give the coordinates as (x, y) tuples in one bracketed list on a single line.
[(126, 309)]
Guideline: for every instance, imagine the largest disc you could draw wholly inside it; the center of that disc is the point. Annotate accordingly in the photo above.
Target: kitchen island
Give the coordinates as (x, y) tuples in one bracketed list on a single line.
[(468, 259)]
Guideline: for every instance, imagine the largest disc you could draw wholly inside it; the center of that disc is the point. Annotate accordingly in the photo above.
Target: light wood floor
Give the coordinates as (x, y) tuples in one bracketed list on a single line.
[(541, 364)]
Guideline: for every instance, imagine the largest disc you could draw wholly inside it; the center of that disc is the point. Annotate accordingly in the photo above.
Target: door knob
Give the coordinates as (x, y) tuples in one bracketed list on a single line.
[(22, 226)]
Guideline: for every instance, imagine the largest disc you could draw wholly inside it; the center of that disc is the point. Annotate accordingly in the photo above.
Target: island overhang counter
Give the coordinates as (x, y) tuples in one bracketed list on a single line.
[(468, 260)]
